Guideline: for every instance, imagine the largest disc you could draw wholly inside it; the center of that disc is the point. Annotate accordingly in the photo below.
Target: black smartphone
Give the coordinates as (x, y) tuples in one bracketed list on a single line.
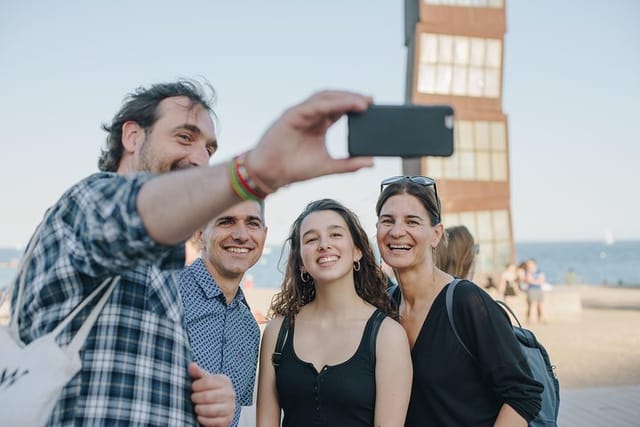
[(401, 130)]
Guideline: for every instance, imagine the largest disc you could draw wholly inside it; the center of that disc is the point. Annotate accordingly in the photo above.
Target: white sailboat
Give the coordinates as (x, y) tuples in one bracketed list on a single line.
[(608, 237)]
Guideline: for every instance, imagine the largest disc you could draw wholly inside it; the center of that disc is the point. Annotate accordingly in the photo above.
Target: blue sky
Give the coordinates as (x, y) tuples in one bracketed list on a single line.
[(571, 88)]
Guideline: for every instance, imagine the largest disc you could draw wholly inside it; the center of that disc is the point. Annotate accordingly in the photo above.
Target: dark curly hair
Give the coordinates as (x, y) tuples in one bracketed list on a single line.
[(370, 281), (141, 106)]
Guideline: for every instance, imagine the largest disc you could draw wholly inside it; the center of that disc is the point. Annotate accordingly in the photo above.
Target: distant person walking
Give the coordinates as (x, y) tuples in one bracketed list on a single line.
[(521, 275), (534, 279)]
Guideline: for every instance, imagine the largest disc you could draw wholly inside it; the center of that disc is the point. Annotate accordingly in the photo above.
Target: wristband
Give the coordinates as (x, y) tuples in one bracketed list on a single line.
[(242, 183)]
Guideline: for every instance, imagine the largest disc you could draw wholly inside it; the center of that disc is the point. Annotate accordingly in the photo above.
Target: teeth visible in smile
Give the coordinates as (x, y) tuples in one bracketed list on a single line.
[(238, 250), (405, 247), (326, 259)]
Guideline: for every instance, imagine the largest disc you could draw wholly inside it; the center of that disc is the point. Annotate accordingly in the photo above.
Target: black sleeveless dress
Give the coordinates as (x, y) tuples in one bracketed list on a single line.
[(338, 395)]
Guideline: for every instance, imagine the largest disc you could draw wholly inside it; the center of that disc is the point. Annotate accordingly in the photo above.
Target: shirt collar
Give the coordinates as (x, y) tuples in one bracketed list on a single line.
[(208, 284)]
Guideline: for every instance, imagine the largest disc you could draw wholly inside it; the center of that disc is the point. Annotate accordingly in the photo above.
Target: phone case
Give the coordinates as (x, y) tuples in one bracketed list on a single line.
[(401, 130)]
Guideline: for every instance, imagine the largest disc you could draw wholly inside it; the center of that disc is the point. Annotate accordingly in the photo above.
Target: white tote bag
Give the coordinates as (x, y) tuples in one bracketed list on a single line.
[(32, 376)]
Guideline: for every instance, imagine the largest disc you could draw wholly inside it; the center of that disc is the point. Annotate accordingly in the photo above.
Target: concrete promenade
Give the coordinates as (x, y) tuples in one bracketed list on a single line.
[(600, 406)]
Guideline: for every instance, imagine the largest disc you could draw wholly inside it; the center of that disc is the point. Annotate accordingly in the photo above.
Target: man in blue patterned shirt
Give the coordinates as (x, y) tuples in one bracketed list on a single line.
[(132, 220), (223, 333)]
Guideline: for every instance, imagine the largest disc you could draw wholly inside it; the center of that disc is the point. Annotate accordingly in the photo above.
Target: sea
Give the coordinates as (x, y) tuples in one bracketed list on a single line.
[(592, 263)]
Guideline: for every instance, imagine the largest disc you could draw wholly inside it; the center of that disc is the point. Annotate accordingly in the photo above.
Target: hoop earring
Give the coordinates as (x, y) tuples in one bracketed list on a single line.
[(302, 276), (356, 265)]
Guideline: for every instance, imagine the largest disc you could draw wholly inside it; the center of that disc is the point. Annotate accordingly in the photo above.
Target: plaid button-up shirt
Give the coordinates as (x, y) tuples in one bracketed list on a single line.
[(134, 362)]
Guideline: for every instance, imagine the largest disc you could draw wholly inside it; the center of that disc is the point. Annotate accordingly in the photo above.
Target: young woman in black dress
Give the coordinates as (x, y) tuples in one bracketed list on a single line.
[(345, 361)]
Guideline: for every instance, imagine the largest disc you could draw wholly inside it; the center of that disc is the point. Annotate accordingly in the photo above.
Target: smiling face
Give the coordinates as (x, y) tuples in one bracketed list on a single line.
[(405, 235), (183, 136), (233, 241), (327, 249)]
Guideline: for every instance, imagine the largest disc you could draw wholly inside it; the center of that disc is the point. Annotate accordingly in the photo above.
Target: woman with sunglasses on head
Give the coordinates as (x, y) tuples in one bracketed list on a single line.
[(342, 359), (450, 388)]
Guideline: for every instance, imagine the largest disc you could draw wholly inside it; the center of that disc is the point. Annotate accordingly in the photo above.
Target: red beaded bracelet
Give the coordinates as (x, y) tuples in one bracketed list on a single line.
[(243, 184)]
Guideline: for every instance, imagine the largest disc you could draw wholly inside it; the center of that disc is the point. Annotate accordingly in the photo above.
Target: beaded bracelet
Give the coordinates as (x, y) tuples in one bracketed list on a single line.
[(242, 183)]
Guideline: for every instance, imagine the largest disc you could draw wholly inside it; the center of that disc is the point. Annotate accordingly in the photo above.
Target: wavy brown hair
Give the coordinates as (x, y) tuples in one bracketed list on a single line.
[(458, 253), (370, 281)]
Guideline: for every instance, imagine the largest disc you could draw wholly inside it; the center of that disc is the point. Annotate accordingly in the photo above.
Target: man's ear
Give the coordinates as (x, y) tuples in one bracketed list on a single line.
[(132, 135), (198, 236)]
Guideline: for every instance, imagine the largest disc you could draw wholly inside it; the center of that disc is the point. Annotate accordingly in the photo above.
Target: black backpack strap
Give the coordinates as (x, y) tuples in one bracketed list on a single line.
[(378, 318), (283, 333), (507, 308), (449, 308)]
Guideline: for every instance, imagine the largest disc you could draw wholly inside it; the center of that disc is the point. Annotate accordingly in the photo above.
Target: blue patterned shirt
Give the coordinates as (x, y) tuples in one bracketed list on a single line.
[(134, 362), (224, 337)]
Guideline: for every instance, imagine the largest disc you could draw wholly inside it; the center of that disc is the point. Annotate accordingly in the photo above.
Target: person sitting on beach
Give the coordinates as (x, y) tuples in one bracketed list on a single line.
[(223, 333), (457, 252), (534, 279), (345, 360), (507, 287), (131, 221), (571, 278), (495, 387)]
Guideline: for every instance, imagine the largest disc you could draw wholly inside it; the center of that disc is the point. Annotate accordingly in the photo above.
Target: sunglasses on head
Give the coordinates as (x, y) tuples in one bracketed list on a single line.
[(416, 179)]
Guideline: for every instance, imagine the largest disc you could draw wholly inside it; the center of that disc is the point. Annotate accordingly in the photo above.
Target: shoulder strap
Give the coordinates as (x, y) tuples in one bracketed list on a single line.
[(507, 308), (378, 318), (283, 333), (81, 335), (449, 308), (21, 278)]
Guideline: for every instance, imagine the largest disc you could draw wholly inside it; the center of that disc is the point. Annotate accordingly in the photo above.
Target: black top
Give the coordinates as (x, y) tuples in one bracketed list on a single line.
[(339, 395), (449, 387)]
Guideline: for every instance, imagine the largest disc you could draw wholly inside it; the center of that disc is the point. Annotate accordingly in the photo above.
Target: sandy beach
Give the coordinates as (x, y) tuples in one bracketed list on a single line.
[(591, 335)]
